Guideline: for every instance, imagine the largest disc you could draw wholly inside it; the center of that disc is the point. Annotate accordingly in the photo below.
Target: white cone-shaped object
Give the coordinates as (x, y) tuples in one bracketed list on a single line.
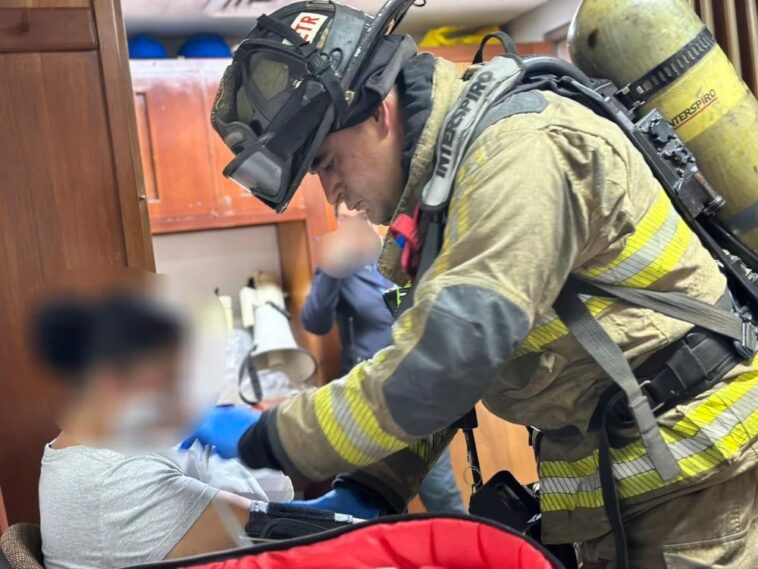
[(276, 349)]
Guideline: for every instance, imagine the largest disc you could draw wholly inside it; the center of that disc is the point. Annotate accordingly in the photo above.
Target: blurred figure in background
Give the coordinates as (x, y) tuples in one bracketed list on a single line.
[(105, 499), (348, 289)]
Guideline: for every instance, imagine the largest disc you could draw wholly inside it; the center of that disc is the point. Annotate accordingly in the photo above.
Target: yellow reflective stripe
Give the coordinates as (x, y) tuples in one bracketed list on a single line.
[(422, 449), (648, 226), (463, 217), (654, 249), (557, 501), (722, 451), (553, 328), (666, 262), (349, 424), (629, 453), (581, 468), (635, 485), (403, 326), (333, 431), (714, 405), (732, 410)]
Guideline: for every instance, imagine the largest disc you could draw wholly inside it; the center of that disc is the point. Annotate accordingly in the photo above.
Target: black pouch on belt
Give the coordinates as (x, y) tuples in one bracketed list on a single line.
[(273, 521), (503, 499), (677, 374)]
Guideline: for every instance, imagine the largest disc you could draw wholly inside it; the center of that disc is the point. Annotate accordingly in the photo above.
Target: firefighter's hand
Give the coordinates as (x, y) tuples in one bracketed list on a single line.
[(342, 501), (222, 429)]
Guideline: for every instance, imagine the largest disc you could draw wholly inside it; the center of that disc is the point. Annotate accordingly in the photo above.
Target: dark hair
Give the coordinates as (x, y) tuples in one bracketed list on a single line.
[(71, 335)]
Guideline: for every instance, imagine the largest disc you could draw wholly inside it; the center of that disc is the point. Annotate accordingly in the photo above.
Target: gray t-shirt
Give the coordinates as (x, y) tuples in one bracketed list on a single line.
[(101, 509)]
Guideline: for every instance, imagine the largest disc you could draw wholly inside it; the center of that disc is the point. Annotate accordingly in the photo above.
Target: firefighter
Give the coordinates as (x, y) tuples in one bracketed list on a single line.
[(547, 190)]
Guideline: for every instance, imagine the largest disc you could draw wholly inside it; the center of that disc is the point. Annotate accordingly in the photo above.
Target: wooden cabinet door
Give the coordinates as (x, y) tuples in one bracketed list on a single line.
[(236, 205), (183, 157), (171, 117), (70, 198)]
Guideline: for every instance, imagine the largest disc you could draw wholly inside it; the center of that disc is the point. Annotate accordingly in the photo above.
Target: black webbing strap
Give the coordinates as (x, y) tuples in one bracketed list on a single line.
[(611, 502), (671, 69), (248, 365), (679, 306), (608, 355), (502, 37), (285, 32), (432, 227), (316, 62)]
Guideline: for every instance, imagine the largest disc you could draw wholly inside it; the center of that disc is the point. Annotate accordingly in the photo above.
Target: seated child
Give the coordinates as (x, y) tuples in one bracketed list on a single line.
[(119, 358)]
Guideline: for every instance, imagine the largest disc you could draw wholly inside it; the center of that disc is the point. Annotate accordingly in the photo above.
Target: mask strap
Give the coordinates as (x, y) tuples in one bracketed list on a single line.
[(318, 65)]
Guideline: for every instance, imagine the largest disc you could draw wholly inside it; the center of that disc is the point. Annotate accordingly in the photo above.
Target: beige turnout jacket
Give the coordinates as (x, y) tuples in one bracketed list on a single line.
[(541, 194)]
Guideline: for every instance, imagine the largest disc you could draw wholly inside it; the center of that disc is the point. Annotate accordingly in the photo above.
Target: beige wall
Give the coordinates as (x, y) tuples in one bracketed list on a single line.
[(533, 25), (222, 258)]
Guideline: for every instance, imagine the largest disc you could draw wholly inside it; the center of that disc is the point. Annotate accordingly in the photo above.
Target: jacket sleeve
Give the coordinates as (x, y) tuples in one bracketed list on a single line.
[(518, 223), (320, 307)]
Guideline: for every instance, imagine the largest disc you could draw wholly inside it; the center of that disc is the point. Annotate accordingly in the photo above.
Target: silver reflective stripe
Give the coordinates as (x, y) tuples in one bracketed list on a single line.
[(652, 249), (706, 438), (343, 415)]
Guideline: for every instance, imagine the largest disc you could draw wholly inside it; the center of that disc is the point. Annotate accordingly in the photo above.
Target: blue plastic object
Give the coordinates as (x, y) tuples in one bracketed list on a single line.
[(143, 46), (205, 45)]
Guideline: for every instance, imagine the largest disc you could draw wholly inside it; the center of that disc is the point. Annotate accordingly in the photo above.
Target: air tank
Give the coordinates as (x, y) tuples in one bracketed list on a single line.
[(668, 59)]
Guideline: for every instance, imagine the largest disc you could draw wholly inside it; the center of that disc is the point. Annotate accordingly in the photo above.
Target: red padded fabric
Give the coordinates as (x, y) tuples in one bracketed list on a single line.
[(427, 544)]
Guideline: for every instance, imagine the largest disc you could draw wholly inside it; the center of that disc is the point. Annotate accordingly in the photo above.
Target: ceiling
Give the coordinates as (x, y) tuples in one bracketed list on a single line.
[(182, 17)]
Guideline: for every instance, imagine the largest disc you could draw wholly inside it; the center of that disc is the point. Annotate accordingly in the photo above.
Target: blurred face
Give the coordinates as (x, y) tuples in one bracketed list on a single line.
[(156, 373), (138, 404), (361, 166)]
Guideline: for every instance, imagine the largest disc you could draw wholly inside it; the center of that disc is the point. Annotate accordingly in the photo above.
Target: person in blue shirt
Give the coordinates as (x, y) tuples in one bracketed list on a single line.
[(352, 299), (348, 289)]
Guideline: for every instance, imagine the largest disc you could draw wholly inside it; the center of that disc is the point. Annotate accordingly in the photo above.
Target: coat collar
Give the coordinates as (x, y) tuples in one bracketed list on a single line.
[(445, 88)]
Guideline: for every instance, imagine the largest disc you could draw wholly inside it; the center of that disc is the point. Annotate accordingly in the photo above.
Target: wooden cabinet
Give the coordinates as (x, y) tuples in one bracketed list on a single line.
[(70, 196), (173, 146), (184, 157)]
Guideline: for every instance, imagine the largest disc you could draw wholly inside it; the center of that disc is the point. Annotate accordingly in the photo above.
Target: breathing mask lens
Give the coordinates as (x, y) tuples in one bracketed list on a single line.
[(270, 79)]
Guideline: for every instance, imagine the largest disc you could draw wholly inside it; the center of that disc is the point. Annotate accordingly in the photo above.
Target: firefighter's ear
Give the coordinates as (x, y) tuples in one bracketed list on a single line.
[(384, 115)]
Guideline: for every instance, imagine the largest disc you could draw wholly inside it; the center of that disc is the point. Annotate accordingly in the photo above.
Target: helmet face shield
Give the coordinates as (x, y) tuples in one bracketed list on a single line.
[(260, 171), (261, 99), (287, 87)]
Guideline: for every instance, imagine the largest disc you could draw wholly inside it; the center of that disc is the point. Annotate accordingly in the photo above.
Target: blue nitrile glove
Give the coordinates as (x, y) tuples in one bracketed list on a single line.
[(222, 429), (344, 501)]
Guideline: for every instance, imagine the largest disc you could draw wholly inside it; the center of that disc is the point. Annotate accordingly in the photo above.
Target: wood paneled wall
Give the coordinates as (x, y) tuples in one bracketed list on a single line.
[(71, 195), (734, 24)]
